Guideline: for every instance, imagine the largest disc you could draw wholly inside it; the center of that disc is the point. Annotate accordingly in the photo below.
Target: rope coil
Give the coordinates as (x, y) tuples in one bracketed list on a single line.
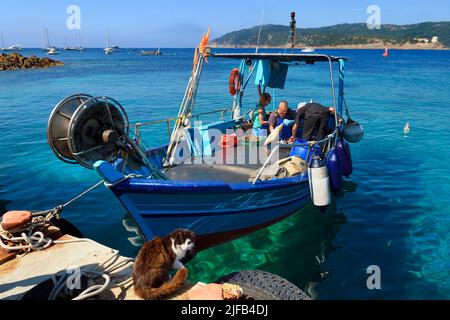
[(104, 270)]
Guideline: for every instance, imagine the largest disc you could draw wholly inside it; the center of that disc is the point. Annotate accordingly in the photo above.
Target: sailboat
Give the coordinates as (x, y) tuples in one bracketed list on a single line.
[(78, 48), (109, 49), (3, 44), (51, 50), (386, 53)]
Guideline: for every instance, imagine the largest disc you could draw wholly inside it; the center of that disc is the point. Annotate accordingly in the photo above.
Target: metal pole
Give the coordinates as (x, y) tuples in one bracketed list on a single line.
[(293, 24), (341, 86), (332, 92)]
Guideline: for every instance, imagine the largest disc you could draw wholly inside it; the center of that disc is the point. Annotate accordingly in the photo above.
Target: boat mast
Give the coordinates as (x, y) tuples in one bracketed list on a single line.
[(107, 38), (293, 24), (3, 44), (45, 38), (188, 102), (48, 38)]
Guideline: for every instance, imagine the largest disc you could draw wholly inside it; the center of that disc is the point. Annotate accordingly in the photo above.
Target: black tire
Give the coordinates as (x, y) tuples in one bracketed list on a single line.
[(67, 227), (261, 285)]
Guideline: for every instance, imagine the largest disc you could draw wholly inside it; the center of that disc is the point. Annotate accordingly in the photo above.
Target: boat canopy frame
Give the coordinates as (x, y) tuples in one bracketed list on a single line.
[(248, 58)]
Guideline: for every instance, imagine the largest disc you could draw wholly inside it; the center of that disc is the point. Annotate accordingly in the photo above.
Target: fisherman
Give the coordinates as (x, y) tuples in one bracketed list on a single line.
[(315, 123), (260, 116), (284, 115)]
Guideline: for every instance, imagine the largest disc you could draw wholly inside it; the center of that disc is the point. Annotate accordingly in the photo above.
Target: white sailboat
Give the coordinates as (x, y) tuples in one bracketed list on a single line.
[(109, 49), (51, 50), (75, 48), (3, 44)]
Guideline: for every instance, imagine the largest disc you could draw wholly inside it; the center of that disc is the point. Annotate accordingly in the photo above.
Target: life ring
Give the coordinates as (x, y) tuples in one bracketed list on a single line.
[(234, 84)]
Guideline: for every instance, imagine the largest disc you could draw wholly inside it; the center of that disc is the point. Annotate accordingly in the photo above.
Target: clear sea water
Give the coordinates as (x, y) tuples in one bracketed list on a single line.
[(393, 212)]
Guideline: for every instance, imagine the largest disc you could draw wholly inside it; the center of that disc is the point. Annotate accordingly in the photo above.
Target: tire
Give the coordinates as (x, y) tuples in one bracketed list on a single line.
[(261, 285), (67, 227)]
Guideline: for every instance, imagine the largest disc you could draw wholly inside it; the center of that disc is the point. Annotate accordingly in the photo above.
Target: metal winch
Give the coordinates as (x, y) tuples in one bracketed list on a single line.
[(84, 129)]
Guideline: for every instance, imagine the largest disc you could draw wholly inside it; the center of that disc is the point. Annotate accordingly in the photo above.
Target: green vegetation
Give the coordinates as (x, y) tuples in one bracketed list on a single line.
[(342, 34)]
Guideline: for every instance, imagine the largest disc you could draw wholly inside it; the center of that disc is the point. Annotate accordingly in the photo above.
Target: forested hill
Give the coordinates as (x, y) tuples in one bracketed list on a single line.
[(420, 34)]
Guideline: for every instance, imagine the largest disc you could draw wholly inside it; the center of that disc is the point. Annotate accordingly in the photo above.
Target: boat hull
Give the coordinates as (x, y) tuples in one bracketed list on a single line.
[(216, 212)]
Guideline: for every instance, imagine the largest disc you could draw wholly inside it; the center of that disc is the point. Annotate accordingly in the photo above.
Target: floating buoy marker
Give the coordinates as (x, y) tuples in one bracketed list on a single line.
[(406, 129)]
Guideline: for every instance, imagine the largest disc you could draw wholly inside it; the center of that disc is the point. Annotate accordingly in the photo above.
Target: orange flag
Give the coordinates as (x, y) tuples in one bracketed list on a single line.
[(204, 43)]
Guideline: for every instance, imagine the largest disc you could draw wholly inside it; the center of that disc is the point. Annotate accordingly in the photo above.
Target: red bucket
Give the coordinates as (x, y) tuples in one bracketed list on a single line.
[(228, 141)]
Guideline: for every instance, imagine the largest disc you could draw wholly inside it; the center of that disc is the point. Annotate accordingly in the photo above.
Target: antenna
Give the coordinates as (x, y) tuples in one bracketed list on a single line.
[(260, 27), (293, 24)]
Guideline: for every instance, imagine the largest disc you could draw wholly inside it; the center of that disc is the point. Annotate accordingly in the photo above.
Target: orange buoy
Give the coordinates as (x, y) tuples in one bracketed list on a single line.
[(234, 84)]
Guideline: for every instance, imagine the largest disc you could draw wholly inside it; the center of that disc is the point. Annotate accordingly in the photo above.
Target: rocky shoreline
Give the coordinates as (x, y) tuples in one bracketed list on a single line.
[(16, 61)]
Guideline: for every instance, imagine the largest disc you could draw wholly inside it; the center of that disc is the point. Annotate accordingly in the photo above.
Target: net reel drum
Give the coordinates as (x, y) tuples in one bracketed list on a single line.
[(84, 129)]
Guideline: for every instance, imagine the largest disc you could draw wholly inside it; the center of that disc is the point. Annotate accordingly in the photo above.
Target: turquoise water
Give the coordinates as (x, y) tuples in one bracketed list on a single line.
[(393, 212)]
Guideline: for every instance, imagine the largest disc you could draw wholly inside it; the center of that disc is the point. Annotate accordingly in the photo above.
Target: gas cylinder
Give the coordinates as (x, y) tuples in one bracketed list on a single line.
[(319, 182)]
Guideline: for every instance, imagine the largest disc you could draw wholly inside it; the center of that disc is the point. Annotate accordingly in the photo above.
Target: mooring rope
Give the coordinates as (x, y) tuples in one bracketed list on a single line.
[(30, 240), (102, 271)]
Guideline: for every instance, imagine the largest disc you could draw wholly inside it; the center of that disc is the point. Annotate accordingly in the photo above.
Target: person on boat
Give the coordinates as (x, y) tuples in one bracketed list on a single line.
[(315, 121), (284, 115), (259, 116)]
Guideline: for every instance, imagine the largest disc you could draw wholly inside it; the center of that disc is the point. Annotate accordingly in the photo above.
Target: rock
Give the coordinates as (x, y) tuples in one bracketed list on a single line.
[(17, 61), (203, 291), (231, 291), (15, 219)]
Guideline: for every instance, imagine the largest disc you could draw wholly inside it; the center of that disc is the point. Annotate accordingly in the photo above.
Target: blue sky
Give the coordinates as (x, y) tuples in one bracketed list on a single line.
[(180, 23)]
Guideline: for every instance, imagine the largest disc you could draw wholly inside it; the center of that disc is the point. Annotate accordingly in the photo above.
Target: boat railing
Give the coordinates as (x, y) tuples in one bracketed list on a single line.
[(310, 144), (169, 120)]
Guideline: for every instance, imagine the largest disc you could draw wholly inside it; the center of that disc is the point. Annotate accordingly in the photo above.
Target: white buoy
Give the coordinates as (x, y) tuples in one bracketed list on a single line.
[(319, 182)]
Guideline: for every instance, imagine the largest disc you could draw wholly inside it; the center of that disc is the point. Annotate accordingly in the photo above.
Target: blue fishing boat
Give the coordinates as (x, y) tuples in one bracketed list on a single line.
[(196, 181)]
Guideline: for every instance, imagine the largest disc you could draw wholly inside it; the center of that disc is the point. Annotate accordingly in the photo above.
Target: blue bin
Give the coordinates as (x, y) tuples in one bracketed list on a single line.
[(302, 152)]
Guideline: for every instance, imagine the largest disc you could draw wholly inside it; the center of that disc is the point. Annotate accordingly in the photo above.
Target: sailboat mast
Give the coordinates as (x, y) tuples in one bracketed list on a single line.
[(3, 44), (107, 38), (47, 44)]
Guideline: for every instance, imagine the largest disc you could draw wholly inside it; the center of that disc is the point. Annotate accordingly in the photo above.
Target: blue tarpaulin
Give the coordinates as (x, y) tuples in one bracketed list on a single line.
[(271, 74)]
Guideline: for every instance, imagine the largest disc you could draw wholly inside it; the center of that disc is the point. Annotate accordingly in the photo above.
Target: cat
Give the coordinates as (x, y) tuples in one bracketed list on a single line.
[(154, 261)]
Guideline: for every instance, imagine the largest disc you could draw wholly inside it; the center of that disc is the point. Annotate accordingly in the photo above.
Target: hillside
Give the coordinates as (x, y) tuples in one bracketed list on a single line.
[(342, 35)]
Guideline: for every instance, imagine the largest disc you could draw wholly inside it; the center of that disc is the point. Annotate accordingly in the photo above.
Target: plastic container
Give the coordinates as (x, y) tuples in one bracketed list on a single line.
[(302, 152), (335, 170)]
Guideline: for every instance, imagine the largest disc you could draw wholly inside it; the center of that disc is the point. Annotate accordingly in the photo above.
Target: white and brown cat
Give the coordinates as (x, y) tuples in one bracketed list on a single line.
[(157, 257)]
